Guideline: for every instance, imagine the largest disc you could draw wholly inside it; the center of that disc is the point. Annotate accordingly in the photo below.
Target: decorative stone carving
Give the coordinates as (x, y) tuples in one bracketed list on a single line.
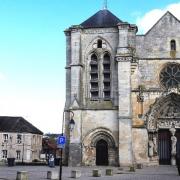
[(94, 45), (104, 46), (140, 96), (175, 90), (151, 147), (173, 145), (155, 145), (169, 76), (164, 113), (123, 59), (167, 123), (100, 30), (172, 129)]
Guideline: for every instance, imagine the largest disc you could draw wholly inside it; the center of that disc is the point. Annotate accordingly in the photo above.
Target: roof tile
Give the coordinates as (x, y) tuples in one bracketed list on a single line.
[(102, 19)]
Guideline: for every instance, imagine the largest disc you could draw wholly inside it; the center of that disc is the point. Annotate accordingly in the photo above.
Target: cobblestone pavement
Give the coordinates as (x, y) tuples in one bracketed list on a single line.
[(40, 173)]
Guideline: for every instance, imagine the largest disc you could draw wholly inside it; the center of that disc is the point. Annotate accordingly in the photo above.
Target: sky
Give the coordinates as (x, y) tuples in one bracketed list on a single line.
[(32, 50)]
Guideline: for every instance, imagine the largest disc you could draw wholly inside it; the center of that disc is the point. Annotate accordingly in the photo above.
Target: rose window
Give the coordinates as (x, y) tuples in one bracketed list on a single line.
[(170, 76)]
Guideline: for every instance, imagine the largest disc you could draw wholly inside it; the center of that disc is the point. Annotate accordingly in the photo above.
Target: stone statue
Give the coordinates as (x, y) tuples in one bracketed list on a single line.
[(151, 147), (173, 141), (155, 146)]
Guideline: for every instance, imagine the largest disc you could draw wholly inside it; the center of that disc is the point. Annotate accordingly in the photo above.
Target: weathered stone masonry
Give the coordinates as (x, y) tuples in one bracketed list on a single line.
[(116, 102)]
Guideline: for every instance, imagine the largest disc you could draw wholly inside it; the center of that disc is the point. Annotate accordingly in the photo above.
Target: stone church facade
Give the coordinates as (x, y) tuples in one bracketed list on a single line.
[(123, 92)]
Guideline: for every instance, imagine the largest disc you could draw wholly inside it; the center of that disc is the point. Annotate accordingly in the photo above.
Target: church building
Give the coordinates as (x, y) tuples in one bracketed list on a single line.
[(123, 92)]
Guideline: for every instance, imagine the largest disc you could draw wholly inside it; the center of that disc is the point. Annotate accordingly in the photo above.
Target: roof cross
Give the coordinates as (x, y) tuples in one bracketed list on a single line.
[(105, 4)]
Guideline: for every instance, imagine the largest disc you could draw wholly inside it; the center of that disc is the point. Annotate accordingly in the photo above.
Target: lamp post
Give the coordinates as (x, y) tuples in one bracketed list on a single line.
[(71, 127)]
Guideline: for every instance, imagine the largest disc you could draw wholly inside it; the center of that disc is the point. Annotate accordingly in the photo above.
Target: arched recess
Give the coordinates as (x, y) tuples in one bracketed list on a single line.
[(173, 45), (105, 45), (90, 143), (163, 115), (104, 91), (166, 107)]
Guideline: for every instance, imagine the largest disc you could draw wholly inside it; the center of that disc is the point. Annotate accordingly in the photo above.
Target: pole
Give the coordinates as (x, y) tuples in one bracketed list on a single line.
[(23, 155), (61, 152), (60, 169), (61, 149)]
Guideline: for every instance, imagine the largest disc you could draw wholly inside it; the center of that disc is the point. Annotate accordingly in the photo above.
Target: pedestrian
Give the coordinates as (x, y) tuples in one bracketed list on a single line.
[(51, 161)]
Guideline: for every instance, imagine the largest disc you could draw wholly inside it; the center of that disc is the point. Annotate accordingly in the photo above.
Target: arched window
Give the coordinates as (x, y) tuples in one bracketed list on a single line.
[(107, 76), (173, 45), (99, 43), (94, 86)]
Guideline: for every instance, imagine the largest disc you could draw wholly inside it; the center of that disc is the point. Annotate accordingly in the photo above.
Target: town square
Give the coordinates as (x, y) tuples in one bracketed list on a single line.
[(89, 89)]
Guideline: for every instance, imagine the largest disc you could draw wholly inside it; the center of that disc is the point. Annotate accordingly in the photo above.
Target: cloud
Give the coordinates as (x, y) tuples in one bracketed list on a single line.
[(146, 21)]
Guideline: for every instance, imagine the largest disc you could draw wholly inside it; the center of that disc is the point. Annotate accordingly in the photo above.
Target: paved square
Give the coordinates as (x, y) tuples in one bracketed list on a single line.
[(40, 173)]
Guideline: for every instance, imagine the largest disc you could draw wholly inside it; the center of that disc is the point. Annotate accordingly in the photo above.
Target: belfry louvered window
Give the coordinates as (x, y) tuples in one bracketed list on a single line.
[(94, 84), (107, 76)]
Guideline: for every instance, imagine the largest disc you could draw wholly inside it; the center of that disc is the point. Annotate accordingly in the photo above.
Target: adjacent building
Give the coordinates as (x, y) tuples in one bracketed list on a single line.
[(19, 139), (124, 91)]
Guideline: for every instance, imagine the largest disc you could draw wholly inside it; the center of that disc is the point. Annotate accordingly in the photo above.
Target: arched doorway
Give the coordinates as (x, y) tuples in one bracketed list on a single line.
[(178, 144), (164, 146), (102, 153), (98, 145), (164, 116)]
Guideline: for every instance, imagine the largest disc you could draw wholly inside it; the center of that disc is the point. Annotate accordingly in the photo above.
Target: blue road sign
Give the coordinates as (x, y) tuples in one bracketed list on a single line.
[(61, 141)]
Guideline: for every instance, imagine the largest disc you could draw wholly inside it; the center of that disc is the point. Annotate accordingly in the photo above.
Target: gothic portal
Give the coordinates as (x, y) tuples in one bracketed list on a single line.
[(124, 91)]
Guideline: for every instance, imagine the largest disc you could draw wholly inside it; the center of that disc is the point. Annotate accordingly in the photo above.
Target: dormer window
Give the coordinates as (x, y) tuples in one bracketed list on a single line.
[(99, 43), (173, 45)]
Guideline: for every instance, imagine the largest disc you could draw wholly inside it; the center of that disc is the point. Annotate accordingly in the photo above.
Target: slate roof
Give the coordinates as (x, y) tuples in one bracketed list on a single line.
[(102, 19), (18, 125)]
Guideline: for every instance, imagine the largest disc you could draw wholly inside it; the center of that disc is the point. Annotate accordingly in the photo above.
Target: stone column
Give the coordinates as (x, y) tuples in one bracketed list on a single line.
[(124, 58), (122, 49), (125, 120), (75, 65), (68, 68)]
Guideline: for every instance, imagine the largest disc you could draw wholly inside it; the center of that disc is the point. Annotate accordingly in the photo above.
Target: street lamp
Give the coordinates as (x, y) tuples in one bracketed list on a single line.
[(71, 127), (71, 124)]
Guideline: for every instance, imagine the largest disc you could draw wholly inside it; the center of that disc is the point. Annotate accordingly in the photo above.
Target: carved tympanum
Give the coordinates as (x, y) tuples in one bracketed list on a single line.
[(164, 113)]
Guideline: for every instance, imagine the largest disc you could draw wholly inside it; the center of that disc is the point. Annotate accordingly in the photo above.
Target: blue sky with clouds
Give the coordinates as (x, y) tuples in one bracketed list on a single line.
[(32, 50)]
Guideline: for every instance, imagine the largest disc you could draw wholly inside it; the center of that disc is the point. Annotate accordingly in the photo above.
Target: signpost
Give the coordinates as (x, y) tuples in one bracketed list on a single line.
[(61, 144), (61, 141)]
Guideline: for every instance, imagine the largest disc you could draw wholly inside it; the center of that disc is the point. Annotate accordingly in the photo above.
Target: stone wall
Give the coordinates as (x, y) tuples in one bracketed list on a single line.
[(30, 146), (156, 42), (90, 125), (136, 62)]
